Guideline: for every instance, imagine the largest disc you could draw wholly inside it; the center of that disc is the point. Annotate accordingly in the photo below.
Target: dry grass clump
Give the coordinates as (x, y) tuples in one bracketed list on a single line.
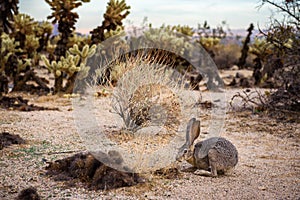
[(148, 98), (7, 139), (18, 103), (152, 100), (148, 94), (119, 136), (84, 167), (155, 104), (168, 173)]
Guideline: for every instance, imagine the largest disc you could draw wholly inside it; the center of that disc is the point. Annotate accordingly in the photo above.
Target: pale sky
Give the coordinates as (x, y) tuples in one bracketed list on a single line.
[(237, 13)]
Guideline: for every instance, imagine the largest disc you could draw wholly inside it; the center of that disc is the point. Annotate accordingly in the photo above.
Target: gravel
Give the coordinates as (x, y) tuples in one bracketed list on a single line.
[(268, 168)]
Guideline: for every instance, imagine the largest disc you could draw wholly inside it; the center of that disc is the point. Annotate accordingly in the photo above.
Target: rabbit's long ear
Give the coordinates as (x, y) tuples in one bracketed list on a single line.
[(192, 131)]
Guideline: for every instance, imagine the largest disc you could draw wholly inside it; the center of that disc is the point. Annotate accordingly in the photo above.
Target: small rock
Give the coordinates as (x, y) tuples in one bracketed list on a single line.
[(262, 188), (167, 194)]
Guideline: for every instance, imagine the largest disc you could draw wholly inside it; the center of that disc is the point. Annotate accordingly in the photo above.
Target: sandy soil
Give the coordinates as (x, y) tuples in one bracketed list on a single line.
[(268, 168)]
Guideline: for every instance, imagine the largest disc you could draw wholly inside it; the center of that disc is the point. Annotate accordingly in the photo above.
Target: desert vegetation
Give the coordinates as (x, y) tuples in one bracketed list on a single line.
[(144, 86)]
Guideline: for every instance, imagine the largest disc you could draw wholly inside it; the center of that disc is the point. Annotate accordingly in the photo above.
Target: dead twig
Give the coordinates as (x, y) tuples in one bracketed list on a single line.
[(251, 98), (57, 152)]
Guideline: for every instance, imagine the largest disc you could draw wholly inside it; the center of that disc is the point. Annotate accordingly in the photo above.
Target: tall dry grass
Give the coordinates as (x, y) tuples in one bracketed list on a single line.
[(146, 93)]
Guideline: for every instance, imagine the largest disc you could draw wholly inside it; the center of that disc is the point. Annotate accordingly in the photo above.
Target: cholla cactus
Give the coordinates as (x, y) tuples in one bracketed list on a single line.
[(74, 62), (80, 40), (24, 25), (31, 45), (10, 65), (43, 32), (209, 42), (84, 54), (62, 13), (25, 33), (8, 8), (116, 11), (266, 64), (167, 39), (209, 37), (185, 30), (119, 30), (19, 54), (6, 13), (261, 48), (8, 49)]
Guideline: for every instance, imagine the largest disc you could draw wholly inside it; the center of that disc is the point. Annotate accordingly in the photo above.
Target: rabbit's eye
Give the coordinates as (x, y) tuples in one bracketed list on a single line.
[(185, 151)]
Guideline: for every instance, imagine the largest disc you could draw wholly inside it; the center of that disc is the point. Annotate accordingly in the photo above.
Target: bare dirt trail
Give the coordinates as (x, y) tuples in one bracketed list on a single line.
[(268, 168)]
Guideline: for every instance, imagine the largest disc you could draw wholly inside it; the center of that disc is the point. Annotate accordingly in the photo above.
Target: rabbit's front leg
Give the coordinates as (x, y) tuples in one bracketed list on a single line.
[(202, 172)]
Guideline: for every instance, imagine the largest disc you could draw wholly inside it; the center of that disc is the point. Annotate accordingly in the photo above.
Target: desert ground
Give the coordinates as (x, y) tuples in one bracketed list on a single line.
[(268, 168)]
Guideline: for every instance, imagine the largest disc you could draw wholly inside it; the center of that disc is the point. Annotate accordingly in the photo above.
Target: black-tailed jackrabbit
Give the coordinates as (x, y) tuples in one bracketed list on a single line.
[(215, 154)]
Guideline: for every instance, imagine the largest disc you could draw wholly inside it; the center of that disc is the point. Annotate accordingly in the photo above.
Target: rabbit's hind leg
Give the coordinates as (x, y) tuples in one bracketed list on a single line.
[(213, 162)]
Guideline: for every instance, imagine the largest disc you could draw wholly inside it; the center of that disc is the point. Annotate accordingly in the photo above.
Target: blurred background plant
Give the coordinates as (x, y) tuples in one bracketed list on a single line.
[(21, 37), (209, 37), (278, 56), (273, 55), (116, 12), (65, 17), (7, 11), (31, 39), (73, 65), (277, 60)]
